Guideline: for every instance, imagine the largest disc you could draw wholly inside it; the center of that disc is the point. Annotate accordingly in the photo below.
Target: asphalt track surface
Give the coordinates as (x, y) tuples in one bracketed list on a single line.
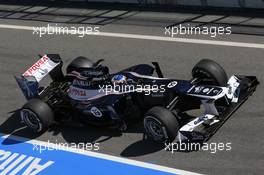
[(19, 49)]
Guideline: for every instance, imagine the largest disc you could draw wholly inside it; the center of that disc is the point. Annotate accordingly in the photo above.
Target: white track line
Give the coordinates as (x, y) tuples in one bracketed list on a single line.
[(101, 156), (157, 38)]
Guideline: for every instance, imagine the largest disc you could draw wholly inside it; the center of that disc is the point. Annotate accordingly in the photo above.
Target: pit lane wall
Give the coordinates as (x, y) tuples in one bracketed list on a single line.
[(199, 3)]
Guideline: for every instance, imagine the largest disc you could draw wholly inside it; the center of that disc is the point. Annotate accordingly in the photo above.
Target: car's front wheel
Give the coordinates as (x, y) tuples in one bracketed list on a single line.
[(161, 125), (37, 115), (210, 70)]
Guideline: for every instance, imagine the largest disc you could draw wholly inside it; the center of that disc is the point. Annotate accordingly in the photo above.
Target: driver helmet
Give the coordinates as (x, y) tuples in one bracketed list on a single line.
[(96, 73), (119, 79)]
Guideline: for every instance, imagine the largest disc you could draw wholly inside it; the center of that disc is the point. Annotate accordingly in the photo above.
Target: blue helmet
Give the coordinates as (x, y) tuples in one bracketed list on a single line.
[(119, 78)]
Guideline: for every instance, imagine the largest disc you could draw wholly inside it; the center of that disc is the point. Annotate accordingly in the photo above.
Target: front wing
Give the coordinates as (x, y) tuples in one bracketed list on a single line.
[(204, 127)]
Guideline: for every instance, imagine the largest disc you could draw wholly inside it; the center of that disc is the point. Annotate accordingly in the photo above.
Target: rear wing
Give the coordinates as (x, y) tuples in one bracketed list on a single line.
[(29, 81), (41, 68)]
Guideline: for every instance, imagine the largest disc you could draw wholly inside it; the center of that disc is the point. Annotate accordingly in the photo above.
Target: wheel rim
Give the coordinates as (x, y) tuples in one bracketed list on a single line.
[(154, 128), (31, 119)]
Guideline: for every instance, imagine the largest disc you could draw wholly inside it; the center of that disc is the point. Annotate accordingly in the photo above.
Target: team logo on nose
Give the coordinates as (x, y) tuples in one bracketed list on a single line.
[(172, 84)]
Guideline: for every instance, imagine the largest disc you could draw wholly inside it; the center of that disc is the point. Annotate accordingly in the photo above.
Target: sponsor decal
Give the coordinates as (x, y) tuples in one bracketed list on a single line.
[(24, 87), (37, 66), (92, 72), (77, 92), (81, 83), (210, 91), (215, 91), (15, 163), (198, 89), (233, 90), (196, 136), (206, 90), (41, 68), (96, 112), (200, 119), (28, 87), (172, 84)]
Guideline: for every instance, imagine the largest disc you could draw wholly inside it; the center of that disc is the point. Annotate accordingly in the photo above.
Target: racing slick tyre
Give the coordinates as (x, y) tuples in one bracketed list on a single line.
[(160, 124), (37, 115), (79, 63), (209, 69)]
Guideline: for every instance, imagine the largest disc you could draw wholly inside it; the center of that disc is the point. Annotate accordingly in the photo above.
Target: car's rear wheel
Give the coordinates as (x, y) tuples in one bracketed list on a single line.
[(37, 115), (210, 71), (161, 125)]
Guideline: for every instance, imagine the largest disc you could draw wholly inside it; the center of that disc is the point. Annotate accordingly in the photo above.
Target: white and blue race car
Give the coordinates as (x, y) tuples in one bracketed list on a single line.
[(88, 93)]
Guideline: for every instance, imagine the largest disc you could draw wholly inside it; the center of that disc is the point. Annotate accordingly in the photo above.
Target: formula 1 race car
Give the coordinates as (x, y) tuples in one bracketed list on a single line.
[(88, 93)]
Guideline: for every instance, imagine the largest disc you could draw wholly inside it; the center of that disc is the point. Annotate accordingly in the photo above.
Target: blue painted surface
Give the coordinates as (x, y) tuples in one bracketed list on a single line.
[(64, 162)]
